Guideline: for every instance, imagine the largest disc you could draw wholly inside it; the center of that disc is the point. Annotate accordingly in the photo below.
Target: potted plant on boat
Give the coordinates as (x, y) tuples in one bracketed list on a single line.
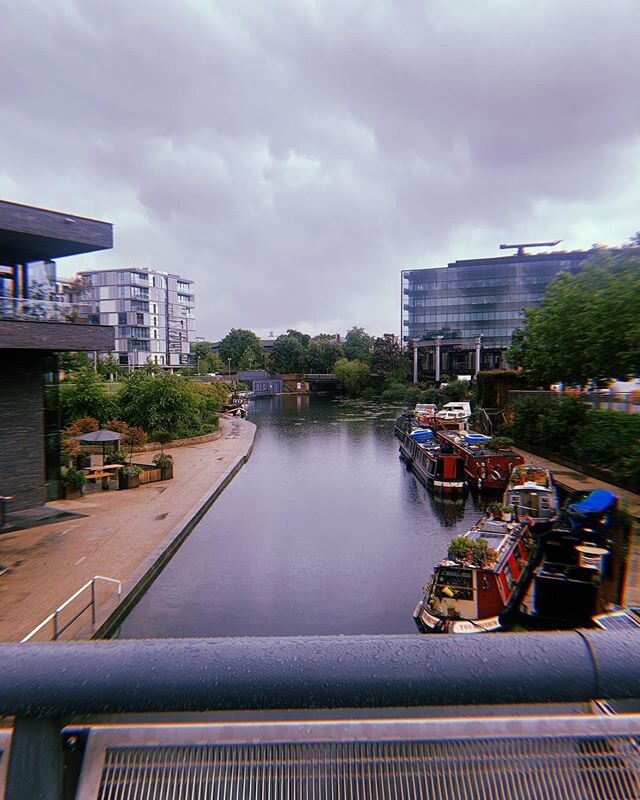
[(507, 513), (165, 463), (129, 476), (74, 482), (494, 510)]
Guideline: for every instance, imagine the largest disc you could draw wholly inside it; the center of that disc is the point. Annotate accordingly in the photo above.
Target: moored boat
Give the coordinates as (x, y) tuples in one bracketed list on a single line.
[(581, 572), (425, 414), (532, 494), (469, 590), (454, 415), (486, 466), (435, 465)]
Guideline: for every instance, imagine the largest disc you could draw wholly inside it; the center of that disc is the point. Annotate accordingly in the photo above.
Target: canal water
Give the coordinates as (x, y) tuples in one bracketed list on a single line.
[(324, 531)]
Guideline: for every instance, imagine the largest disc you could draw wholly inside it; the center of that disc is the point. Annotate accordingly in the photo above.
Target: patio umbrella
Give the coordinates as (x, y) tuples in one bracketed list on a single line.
[(99, 437)]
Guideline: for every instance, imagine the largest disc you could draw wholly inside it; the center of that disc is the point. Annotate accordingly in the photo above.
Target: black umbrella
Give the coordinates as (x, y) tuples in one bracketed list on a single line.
[(97, 437)]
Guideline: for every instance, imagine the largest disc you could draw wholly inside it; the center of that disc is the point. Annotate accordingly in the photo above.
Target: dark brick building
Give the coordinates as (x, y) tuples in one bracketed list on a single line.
[(34, 327)]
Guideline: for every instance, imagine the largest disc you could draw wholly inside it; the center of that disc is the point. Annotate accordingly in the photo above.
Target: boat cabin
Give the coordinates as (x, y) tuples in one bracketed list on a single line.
[(485, 467), (532, 494)]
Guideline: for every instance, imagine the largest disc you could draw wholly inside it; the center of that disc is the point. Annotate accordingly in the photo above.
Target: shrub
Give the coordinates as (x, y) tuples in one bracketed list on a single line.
[(162, 460), (75, 479), (130, 471)]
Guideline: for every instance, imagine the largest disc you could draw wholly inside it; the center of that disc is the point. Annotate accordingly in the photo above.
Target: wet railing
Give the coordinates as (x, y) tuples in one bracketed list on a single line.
[(44, 686)]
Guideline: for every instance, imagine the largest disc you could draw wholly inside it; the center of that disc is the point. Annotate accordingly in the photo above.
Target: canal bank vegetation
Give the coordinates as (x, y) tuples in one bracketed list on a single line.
[(570, 428), (159, 404)]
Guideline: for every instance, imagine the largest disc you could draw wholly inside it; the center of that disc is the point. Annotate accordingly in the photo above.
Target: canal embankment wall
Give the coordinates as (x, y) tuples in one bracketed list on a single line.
[(127, 535)]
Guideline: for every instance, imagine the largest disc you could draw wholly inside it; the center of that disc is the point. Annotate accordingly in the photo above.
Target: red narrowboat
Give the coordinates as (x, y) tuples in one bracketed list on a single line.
[(436, 465), (485, 467), (469, 590)]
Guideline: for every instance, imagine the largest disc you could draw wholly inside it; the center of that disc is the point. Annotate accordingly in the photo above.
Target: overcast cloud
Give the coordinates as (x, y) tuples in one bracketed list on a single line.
[(292, 157)]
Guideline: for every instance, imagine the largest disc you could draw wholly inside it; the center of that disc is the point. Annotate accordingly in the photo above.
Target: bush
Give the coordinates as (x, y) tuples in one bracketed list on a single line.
[(369, 393), (130, 471), (162, 460), (75, 479), (85, 395)]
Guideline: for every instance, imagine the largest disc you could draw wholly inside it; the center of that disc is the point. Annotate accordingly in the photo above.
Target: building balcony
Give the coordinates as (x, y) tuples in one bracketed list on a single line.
[(31, 310)]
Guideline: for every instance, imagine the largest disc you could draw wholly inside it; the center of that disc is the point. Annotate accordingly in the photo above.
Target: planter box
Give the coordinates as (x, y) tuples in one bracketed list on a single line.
[(128, 483), (72, 494), (166, 473)]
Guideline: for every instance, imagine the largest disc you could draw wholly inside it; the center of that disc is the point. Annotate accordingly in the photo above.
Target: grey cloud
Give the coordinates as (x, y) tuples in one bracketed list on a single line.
[(292, 157)]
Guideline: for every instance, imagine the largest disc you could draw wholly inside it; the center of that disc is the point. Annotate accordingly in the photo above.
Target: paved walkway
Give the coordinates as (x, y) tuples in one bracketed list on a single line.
[(122, 536), (568, 478)]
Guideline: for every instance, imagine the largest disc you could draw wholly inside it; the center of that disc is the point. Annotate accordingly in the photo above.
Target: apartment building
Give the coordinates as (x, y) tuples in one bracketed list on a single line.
[(152, 313)]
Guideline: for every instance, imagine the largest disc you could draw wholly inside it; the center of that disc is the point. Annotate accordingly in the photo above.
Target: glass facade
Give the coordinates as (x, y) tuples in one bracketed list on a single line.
[(479, 297)]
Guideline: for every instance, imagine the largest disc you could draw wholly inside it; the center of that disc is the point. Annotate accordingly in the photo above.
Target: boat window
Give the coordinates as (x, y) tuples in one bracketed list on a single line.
[(459, 581), (509, 576)]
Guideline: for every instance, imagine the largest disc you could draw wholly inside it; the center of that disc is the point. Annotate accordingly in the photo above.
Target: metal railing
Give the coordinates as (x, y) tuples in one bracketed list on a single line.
[(55, 616), (329, 735), (33, 310)]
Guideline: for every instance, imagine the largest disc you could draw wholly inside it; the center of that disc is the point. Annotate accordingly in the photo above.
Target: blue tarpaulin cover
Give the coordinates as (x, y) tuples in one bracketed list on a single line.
[(422, 435), (476, 438), (597, 502)]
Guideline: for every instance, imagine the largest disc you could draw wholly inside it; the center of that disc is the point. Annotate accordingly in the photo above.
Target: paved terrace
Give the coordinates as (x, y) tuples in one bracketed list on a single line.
[(122, 536)]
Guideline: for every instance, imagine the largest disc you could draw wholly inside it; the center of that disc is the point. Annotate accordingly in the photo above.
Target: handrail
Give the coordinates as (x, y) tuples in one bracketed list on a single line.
[(91, 605), (251, 673)]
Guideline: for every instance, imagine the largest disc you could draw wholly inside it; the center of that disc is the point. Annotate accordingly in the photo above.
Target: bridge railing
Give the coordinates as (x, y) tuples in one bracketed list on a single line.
[(44, 685)]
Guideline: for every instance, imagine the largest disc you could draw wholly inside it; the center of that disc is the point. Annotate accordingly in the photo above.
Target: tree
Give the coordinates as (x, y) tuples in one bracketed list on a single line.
[(322, 353), (354, 375), (204, 358), (288, 354), (588, 325), (235, 344), (515, 354), (169, 403), (85, 395), (387, 358), (303, 338), (358, 345)]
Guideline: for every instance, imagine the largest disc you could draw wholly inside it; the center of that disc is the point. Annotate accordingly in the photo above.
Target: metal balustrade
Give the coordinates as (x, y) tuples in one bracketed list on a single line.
[(339, 716), (54, 618)]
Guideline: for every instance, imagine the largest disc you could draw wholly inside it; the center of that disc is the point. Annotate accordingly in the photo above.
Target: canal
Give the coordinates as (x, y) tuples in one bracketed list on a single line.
[(324, 531)]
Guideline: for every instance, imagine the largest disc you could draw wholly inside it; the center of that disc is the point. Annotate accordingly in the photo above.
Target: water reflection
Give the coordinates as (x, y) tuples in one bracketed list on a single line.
[(323, 531)]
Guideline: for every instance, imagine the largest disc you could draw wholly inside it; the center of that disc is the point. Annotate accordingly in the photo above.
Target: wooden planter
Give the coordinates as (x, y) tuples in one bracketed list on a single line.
[(166, 472), (72, 494), (128, 483)]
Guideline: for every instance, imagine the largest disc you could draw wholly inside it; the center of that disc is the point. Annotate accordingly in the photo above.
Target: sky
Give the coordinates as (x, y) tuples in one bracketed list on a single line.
[(293, 156)]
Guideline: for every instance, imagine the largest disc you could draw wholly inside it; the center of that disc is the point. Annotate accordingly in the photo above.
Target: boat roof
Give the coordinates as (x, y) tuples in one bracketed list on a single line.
[(500, 536), (475, 443)]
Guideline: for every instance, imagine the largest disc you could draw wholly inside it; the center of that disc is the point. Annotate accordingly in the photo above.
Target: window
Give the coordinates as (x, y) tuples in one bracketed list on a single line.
[(140, 319), (122, 319)]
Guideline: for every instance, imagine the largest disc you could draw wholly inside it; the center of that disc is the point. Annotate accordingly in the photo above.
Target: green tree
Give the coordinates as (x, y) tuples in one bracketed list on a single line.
[(71, 362), (588, 325), (354, 375), (235, 345), (323, 352), (387, 358), (515, 354), (288, 354), (85, 395), (109, 368), (358, 345), (303, 338), (169, 403), (205, 360)]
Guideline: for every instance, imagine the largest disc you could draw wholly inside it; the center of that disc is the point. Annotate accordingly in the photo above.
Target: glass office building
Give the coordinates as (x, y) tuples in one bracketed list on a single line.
[(477, 297)]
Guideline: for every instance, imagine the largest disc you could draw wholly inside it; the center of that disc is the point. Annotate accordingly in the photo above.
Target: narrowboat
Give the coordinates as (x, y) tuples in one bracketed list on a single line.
[(485, 467), (470, 589), (434, 464), (532, 494)]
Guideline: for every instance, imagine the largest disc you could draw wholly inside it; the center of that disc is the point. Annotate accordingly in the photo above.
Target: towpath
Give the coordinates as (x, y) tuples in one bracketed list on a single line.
[(122, 535)]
